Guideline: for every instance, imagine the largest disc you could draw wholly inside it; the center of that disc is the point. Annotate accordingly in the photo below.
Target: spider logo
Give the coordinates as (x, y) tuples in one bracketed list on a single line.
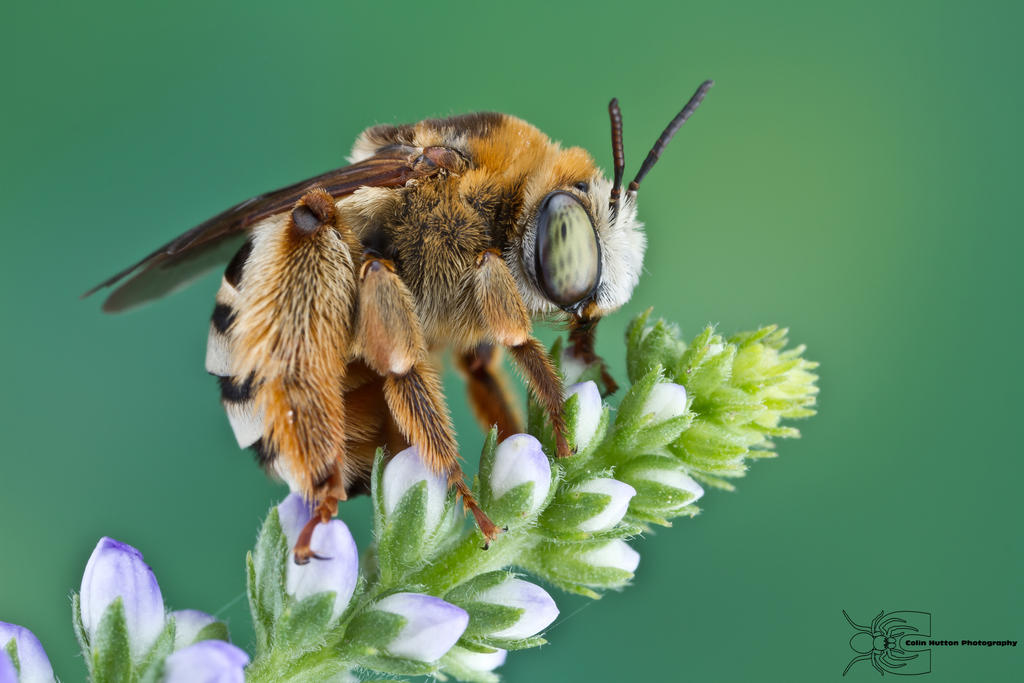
[(884, 643)]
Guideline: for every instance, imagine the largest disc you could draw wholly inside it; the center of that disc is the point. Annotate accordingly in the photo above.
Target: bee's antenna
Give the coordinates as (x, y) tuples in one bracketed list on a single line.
[(670, 130), (617, 153)]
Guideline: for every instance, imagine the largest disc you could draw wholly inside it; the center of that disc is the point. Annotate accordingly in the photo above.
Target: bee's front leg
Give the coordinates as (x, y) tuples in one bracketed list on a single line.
[(581, 347), (504, 315), (390, 340)]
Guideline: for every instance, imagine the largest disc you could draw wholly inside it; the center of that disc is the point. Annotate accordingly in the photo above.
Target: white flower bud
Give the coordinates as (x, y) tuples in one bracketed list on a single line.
[(117, 570), (404, 471), (338, 568), (615, 510), (432, 626), (672, 478), (35, 665), (572, 367), (665, 401), (539, 609), (187, 625), (479, 661), (588, 418), (208, 661), (615, 554), (517, 460)]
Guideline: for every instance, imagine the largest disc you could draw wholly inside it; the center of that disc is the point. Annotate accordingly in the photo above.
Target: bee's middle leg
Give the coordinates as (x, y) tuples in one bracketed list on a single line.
[(490, 396), (390, 341)]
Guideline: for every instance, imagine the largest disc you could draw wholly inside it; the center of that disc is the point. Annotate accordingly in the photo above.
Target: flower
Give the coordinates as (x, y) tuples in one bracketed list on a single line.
[(588, 415), (518, 460), (663, 488), (208, 661), (432, 626), (338, 569), (8, 674), (538, 608), (32, 660), (187, 625), (666, 401), (615, 554), (479, 661), (404, 471), (615, 510), (116, 570)]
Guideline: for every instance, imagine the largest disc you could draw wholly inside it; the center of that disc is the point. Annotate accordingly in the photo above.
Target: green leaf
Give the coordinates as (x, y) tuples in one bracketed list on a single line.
[(152, 665), (111, 656), (510, 645), (451, 664), (216, 630), (400, 548), (376, 491), (302, 623), (486, 618), (513, 508), (630, 412), (11, 648), (467, 591), (369, 632), (76, 621), (570, 509), (266, 578), (486, 464), (566, 565), (396, 665)]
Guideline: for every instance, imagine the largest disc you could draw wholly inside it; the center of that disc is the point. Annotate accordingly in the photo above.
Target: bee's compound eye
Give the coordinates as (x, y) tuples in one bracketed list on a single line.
[(568, 261)]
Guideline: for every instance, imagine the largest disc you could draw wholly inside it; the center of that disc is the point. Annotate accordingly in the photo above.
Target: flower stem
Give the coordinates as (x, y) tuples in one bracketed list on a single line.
[(468, 558)]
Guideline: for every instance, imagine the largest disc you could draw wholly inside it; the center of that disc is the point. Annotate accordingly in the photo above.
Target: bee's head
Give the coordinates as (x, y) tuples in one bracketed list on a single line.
[(583, 246)]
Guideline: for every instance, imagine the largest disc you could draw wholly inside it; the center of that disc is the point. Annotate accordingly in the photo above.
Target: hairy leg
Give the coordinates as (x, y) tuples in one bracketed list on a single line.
[(290, 336), (391, 343), (505, 317), (490, 396)]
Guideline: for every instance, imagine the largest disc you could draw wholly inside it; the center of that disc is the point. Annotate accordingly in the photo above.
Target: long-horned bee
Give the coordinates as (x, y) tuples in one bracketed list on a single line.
[(445, 234)]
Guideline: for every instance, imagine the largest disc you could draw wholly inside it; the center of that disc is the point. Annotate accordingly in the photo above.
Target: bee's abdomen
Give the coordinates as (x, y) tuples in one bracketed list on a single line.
[(236, 392)]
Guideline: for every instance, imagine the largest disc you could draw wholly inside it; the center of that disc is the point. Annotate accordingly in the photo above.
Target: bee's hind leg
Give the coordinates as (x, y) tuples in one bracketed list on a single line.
[(333, 491), (390, 341)]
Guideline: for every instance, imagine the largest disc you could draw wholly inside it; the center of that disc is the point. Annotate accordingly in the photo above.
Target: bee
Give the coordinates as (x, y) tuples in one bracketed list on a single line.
[(447, 234)]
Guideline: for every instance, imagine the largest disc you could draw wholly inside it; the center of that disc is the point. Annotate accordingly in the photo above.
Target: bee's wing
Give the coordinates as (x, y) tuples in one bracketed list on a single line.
[(190, 255)]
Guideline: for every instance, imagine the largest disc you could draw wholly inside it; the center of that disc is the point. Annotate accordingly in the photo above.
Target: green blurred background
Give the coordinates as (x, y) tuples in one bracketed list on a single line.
[(854, 175)]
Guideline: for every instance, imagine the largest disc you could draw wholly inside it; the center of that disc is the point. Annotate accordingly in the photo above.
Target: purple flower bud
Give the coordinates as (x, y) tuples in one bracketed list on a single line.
[(539, 610), (590, 408), (187, 625), (615, 554), (405, 470), (479, 661), (208, 661), (517, 460), (116, 570), (666, 401), (432, 626), (615, 510), (8, 674), (32, 659), (338, 571)]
